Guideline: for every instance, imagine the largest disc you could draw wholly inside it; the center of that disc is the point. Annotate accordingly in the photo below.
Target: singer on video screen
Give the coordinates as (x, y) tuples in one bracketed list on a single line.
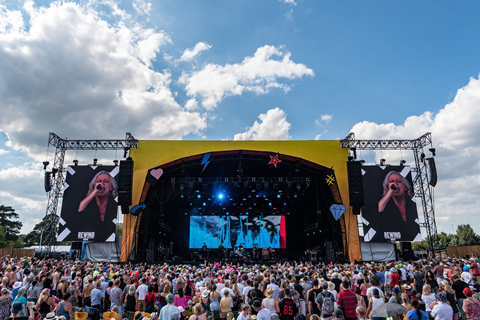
[(396, 187), (102, 188)]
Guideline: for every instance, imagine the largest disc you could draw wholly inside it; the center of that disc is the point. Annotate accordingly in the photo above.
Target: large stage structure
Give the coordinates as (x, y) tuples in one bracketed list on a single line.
[(293, 196)]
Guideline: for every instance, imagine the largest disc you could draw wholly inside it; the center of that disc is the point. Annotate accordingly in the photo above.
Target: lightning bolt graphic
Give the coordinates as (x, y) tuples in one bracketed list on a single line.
[(205, 160)]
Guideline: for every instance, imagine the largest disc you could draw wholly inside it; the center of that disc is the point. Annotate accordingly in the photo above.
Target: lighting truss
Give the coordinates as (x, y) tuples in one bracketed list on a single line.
[(421, 179), (49, 232)]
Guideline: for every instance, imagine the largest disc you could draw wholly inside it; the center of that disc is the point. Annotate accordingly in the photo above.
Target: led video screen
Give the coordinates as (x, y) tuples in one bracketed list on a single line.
[(232, 231), (89, 208), (390, 211)]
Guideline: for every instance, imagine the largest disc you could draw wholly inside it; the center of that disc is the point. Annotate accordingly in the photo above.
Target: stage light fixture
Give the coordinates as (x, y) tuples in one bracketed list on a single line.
[(45, 164), (204, 204), (199, 196), (382, 162), (75, 162), (402, 162), (95, 161), (278, 196), (220, 196), (270, 204), (181, 196), (115, 162), (422, 157)]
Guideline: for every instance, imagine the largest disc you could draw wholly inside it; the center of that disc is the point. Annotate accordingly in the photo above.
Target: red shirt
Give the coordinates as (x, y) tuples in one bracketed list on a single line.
[(395, 277), (347, 300), (475, 270)]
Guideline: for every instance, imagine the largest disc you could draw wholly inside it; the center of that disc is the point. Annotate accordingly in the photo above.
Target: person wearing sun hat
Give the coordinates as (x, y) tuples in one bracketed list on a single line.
[(167, 311)]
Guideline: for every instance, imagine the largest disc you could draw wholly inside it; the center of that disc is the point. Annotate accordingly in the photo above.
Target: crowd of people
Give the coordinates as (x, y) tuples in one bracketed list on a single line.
[(441, 289)]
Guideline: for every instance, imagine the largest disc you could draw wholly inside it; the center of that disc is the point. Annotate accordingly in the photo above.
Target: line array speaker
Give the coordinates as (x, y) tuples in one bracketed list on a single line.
[(432, 168), (125, 182), (355, 185)]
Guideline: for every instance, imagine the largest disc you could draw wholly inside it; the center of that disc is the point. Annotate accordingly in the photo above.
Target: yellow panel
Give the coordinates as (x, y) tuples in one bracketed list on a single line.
[(154, 153)]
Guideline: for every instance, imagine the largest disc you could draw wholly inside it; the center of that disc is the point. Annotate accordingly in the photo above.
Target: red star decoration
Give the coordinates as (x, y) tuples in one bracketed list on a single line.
[(274, 160)]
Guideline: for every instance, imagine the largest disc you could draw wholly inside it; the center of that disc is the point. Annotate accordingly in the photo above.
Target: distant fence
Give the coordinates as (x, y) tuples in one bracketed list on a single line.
[(17, 253), (463, 251)]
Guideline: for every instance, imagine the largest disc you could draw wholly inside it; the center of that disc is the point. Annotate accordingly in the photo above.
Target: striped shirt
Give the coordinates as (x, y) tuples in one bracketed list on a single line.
[(347, 300)]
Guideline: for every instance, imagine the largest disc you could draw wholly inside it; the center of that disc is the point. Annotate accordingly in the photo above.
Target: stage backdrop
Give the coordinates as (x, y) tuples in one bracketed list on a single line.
[(152, 154), (390, 211), (90, 222)]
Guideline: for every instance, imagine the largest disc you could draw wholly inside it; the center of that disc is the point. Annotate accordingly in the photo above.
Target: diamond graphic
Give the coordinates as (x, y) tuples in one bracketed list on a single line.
[(337, 210)]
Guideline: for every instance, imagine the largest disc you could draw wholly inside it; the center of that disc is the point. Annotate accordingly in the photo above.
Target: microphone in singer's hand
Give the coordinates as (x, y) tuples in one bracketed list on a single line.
[(99, 187), (393, 187)]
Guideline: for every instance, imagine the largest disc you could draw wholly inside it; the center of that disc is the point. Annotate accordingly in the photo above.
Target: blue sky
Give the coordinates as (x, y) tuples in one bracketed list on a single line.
[(218, 70)]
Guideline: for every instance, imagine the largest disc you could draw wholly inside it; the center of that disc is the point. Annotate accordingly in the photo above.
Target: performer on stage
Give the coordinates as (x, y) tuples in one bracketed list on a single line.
[(222, 250)]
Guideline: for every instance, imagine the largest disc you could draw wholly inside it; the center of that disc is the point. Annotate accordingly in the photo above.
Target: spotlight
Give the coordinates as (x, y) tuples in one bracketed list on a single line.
[(382, 162), (75, 162), (204, 204), (220, 196), (432, 150), (95, 161), (45, 164), (402, 162), (199, 196), (422, 157), (278, 196), (115, 162)]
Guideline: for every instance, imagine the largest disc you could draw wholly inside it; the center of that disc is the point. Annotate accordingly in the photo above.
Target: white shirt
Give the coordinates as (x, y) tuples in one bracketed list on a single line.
[(370, 292), (466, 277), (245, 292), (442, 311), (142, 291)]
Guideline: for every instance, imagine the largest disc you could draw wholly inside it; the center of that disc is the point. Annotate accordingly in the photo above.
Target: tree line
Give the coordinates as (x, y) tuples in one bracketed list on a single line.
[(463, 236)]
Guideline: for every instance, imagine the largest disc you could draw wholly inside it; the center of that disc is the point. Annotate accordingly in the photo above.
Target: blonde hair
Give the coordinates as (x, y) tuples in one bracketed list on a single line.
[(426, 290), (447, 286), (197, 309), (314, 317)]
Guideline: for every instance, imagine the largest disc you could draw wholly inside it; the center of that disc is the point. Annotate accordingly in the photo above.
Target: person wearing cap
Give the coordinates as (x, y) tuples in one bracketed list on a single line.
[(347, 301), (338, 314), (375, 300), (262, 313), (395, 298), (471, 305), (167, 311), (325, 294)]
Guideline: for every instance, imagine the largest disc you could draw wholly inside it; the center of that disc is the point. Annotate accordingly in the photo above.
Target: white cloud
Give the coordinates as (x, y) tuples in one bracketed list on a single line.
[(256, 74), (272, 126), (324, 119), (289, 14), (2, 151), (289, 2), (142, 7), (454, 129), (189, 54), (78, 75)]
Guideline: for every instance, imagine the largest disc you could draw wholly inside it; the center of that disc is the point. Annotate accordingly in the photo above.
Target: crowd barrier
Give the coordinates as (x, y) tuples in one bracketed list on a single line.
[(17, 253)]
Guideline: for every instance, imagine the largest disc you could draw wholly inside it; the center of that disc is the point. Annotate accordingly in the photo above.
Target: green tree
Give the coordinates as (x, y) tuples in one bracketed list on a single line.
[(466, 235), (3, 240), (119, 229), (7, 220), (33, 237)]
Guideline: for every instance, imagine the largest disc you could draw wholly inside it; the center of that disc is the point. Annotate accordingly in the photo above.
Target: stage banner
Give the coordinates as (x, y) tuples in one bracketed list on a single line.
[(233, 231), (390, 211), (89, 208)]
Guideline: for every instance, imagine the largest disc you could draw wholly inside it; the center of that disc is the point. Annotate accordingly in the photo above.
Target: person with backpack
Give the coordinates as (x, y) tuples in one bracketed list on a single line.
[(288, 307), (325, 303)]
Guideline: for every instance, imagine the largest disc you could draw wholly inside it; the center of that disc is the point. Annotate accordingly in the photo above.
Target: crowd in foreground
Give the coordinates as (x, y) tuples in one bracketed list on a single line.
[(442, 289)]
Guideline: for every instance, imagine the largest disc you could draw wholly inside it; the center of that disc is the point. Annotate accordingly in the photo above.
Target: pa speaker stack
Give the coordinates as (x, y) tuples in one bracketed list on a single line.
[(355, 185), (125, 183)]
